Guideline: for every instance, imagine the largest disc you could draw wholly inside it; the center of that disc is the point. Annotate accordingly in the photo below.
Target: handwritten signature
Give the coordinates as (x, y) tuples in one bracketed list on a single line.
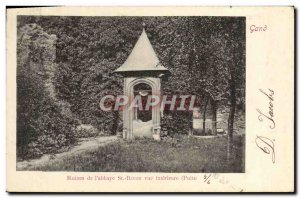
[(270, 115), (266, 145)]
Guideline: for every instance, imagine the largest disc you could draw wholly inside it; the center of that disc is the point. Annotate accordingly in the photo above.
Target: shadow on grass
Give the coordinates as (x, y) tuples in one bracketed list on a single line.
[(185, 154)]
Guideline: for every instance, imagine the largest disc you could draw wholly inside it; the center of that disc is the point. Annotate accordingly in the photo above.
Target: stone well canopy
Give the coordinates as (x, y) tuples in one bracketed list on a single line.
[(142, 68), (142, 58)]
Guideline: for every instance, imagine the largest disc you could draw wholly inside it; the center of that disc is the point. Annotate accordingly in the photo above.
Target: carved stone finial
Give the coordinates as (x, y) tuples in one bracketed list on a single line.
[(144, 24)]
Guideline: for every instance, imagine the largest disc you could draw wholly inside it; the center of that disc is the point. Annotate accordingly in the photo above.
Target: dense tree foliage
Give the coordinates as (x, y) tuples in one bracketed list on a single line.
[(205, 55), (41, 126)]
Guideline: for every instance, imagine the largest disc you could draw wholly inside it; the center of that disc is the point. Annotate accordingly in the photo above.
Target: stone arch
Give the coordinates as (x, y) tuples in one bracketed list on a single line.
[(137, 81), (143, 91), (128, 115)]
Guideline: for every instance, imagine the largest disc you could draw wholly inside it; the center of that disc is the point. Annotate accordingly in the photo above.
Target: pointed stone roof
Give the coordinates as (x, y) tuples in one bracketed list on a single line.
[(142, 57)]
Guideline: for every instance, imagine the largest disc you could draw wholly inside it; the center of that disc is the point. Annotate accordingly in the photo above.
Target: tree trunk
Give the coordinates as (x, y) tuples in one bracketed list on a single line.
[(231, 120), (204, 114), (115, 123), (214, 116), (191, 124)]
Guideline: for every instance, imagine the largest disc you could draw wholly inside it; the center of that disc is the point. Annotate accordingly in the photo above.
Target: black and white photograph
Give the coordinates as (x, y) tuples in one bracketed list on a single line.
[(131, 94)]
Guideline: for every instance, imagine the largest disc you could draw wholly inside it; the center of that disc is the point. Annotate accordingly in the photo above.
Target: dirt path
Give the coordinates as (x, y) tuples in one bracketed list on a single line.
[(84, 145)]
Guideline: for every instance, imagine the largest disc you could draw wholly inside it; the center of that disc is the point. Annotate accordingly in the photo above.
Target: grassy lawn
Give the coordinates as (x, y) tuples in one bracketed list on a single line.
[(184, 154)]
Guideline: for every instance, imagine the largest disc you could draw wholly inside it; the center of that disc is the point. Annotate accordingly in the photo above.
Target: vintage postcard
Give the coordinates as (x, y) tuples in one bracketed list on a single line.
[(150, 99)]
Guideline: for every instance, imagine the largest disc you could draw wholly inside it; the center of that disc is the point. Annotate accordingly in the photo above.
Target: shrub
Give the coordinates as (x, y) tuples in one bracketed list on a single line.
[(176, 122), (84, 131), (51, 133)]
